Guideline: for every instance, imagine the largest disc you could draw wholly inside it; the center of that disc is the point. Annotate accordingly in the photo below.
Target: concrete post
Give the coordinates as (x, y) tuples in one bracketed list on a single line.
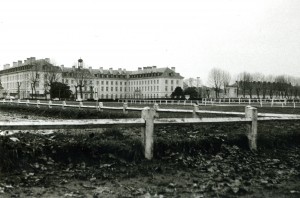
[(27, 102), (38, 103), (155, 106), (100, 106), (251, 112), (80, 105), (195, 109), (49, 104), (63, 105), (19, 102), (272, 103), (147, 132), (124, 108)]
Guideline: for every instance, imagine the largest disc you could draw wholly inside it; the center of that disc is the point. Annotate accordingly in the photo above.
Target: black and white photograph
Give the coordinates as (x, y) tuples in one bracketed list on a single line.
[(149, 98)]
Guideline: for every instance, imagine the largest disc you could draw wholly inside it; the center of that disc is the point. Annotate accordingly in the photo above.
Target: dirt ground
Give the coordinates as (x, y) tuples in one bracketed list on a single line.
[(189, 162)]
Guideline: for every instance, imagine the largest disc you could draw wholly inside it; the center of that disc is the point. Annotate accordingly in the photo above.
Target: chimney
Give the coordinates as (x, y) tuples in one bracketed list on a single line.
[(173, 68), (139, 69), (144, 68), (120, 70), (25, 62), (62, 66), (73, 67), (111, 70), (101, 69), (154, 67), (15, 64), (19, 62), (47, 60), (90, 68), (32, 59), (124, 70)]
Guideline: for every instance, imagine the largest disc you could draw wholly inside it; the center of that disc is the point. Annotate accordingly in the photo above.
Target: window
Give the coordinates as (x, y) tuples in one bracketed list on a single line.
[(177, 82), (116, 88), (106, 82), (97, 82), (112, 82), (120, 88), (172, 82), (166, 88), (106, 88), (102, 88), (166, 81), (112, 89), (102, 82)]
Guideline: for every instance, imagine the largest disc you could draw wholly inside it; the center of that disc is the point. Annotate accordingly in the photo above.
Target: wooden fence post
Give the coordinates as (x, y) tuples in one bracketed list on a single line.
[(27, 102), (49, 104), (155, 106), (100, 106), (63, 105), (38, 103), (251, 112), (147, 132), (125, 107), (80, 105), (195, 109), (272, 103), (19, 102)]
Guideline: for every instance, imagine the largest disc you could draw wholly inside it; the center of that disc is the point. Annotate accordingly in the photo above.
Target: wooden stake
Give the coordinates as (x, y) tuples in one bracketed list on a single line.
[(147, 132), (251, 112)]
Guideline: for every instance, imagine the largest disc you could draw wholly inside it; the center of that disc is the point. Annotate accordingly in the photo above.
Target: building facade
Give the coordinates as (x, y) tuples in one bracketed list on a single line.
[(89, 83)]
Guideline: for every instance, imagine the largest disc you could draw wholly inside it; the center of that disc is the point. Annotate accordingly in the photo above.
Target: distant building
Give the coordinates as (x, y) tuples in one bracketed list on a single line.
[(146, 82)]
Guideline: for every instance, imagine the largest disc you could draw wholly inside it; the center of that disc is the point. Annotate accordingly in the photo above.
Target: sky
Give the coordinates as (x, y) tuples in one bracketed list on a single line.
[(192, 35)]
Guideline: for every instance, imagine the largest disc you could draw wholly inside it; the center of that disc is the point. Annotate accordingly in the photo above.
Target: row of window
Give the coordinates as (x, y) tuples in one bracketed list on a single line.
[(140, 82)]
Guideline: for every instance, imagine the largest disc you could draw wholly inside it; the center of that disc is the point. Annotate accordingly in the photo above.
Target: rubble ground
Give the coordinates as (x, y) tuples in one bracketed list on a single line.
[(193, 161)]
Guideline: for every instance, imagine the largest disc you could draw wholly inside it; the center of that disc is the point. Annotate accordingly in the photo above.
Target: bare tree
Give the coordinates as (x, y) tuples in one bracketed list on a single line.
[(52, 74), (34, 78), (226, 78), (19, 86), (258, 79), (80, 75), (215, 80), (243, 82)]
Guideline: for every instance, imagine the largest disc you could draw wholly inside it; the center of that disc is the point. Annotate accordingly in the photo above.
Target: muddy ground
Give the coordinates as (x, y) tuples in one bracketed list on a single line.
[(191, 161)]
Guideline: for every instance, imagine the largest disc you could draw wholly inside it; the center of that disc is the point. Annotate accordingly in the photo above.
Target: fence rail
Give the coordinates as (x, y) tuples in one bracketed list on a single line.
[(149, 118), (259, 102)]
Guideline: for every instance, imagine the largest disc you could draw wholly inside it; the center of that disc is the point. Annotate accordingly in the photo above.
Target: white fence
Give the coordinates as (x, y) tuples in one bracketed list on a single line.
[(293, 103), (149, 119)]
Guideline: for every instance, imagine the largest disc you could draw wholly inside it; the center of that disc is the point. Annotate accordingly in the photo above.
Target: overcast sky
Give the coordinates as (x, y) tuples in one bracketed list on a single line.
[(193, 36)]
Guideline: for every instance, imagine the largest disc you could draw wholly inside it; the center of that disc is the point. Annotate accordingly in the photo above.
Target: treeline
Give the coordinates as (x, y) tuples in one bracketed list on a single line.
[(259, 86), (253, 85)]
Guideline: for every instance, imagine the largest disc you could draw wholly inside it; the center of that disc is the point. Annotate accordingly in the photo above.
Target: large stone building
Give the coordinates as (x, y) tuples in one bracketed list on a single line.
[(88, 83)]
